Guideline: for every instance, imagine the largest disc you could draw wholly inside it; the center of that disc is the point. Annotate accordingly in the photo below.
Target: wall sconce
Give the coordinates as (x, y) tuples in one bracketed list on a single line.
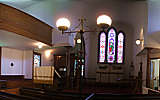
[(139, 41)]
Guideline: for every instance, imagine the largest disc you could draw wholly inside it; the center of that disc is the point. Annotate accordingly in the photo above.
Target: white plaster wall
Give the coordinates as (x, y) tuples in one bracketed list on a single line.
[(28, 63), (138, 13), (22, 60), (47, 59), (12, 55), (59, 39), (153, 16), (152, 37)]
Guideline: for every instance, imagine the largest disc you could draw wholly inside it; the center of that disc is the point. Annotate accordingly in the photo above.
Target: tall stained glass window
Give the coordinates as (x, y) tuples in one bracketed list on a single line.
[(120, 47), (102, 47), (111, 45)]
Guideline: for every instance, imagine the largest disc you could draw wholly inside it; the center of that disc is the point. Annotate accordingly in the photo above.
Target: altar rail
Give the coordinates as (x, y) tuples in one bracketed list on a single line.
[(108, 77), (16, 21)]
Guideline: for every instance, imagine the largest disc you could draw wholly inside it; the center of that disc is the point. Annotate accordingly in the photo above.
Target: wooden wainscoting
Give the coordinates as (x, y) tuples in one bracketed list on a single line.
[(16, 21)]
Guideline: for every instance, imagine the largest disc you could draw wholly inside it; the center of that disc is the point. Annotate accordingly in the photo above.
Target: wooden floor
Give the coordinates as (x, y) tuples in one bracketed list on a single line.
[(19, 83), (13, 86)]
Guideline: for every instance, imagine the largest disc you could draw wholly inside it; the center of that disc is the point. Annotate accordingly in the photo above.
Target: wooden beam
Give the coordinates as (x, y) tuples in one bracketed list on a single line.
[(16, 21)]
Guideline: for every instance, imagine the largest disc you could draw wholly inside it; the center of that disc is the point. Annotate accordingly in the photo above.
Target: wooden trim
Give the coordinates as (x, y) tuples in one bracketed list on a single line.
[(11, 77), (109, 72), (33, 65)]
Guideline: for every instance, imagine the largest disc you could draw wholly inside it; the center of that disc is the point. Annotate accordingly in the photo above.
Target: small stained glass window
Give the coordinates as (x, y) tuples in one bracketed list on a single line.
[(102, 47), (37, 60), (120, 47)]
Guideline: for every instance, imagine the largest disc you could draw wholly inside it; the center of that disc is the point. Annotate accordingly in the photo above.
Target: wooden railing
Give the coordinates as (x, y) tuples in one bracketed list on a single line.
[(16, 21)]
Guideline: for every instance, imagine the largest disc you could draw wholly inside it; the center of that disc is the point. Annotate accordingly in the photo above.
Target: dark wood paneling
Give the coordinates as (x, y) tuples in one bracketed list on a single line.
[(11, 77), (14, 20), (0, 58)]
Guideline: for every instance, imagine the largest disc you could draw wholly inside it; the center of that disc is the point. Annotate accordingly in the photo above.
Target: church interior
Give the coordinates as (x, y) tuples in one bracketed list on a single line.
[(79, 49)]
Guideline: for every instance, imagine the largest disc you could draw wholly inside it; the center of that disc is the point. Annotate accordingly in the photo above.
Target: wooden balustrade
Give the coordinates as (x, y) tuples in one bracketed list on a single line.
[(16, 21)]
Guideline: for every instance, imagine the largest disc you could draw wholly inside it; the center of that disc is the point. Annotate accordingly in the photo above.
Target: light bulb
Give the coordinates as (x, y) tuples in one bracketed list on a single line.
[(78, 40), (138, 42)]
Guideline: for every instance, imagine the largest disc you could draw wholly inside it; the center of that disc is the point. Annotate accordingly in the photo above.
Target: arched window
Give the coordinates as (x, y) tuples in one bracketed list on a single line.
[(120, 47), (102, 47), (111, 46)]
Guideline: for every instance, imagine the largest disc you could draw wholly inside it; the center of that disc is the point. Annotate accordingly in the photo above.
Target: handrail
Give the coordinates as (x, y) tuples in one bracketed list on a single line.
[(58, 74), (90, 96)]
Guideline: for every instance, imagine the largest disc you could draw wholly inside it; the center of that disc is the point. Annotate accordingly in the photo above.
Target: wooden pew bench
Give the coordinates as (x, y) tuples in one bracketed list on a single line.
[(52, 95)]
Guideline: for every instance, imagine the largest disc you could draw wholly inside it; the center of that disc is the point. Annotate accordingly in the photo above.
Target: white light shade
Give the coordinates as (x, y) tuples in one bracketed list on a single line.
[(138, 42), (104, 19), (78, 40), (63, 24)]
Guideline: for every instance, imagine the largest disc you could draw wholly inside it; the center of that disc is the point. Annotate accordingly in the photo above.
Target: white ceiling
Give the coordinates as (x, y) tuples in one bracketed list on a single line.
[(8, 39), (21, 4)]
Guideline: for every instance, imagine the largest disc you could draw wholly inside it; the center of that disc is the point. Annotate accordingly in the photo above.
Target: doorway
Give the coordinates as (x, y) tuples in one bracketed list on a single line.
[(154, 74)]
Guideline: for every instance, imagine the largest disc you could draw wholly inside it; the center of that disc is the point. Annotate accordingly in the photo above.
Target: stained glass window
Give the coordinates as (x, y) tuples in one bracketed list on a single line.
[(102, 46), (120, 47), (111, 45), (37, 60)]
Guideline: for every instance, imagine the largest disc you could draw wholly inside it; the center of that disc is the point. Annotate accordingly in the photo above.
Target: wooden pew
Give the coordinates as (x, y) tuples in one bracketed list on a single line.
[(51, 94), (124, 97), (8, 96), (55, 95)]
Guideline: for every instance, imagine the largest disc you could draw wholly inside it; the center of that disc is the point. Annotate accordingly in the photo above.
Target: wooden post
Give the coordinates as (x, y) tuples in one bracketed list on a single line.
[(68, 65), (140, 78), (148, 68)]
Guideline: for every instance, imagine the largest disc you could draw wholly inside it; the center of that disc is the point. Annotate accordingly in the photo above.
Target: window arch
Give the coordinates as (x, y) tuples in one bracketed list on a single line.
[(102, 47), (111, 46)]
